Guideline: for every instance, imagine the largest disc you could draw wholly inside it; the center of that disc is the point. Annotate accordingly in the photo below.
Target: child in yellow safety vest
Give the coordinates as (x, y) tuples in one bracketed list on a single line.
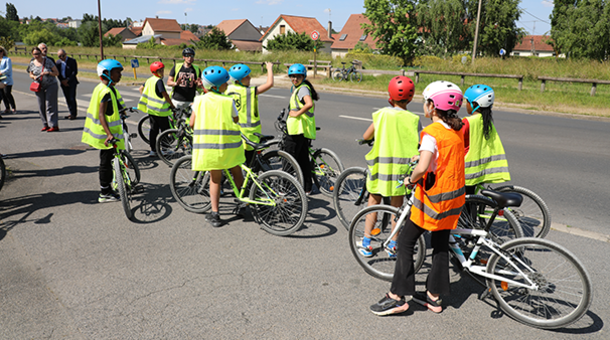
[(485, 158), (396, 133), (217, 143), (246, 101), (103, 123), (156, 102)]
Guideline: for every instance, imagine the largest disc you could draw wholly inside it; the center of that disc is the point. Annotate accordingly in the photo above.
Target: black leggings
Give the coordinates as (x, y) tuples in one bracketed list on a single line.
[(106, 156), (437, 282), (7, 96), (157, 124), (298, 147)]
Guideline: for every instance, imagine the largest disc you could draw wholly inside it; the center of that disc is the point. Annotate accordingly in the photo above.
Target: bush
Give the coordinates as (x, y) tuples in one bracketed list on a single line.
[(427, 61)]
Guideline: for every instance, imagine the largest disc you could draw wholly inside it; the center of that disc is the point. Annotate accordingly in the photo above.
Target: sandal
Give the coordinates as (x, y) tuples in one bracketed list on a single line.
[(425, 300), (387, 306)]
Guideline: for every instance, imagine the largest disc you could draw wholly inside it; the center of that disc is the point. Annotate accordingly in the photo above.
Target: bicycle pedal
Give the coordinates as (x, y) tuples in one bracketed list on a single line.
[(133, 135)]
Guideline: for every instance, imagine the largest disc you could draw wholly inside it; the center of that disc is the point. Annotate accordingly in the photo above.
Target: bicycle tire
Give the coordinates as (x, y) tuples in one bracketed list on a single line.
[(290, 210), (190, 188), (326, 167), (533, 214), (567, 289), (3, 173), (131, 167), (349, 188), (355, 76), (476, 212), (127, 138), (173, 144), (380, 265), (121, 187), (282, 160), (144, 128), (338, 75)]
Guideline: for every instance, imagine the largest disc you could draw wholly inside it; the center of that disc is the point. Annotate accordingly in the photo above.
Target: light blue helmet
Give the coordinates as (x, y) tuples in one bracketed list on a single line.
[(480, 94), (108, 65), (297, 69), (215, 76), (239, 71)]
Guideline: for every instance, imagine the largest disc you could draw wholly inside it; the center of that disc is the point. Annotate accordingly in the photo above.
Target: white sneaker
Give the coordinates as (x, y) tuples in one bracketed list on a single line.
[(152, 154)]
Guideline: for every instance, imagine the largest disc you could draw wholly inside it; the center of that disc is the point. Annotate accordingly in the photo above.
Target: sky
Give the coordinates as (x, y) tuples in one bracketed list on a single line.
[(535, 18)]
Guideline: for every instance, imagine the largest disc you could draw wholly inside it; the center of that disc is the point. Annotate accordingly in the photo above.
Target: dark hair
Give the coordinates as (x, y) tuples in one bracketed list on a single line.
[(314, 94), (488, 119), (450, 118), (36, 49)]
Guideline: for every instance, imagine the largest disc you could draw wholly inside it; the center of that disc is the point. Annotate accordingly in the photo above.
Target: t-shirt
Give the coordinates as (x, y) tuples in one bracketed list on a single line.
[(108, 98), (47, 80), (186, 88), (303, 91), (428, 143)]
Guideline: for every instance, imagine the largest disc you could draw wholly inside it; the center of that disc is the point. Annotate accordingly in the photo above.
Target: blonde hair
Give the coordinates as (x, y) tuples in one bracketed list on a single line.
[(3, 50)]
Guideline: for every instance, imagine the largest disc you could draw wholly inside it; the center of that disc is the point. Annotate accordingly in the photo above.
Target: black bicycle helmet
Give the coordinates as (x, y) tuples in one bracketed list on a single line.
[(187, 51)]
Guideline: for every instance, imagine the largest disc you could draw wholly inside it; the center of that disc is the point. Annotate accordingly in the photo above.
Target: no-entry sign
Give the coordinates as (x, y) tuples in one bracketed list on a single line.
[(315, 35)]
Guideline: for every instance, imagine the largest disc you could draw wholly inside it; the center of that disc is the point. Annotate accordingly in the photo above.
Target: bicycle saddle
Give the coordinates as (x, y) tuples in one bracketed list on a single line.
[(266, 142), (263, 138), (504, 199)]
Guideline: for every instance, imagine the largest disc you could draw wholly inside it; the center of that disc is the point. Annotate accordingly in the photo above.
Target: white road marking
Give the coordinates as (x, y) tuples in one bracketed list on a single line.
[(356, 118), (272, 96)]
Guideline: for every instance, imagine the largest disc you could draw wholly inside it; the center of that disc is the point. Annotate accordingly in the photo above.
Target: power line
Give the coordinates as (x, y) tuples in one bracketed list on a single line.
[(524, 10)]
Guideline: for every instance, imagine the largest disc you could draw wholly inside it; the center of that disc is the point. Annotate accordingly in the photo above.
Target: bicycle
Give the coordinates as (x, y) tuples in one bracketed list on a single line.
[(172, 144), (381, 266), (276, 199), (325, 164), (343, 73), (126, 135), (126, 175), (174, 118), (3, 172)]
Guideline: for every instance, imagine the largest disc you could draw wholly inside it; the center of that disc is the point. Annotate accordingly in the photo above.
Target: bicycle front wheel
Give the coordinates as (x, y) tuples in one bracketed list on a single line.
[(327, 167), (281, 160), (355, 76), (337, 75), (120, 180), (558, 288), (144, 128), (173, 144), (131, 168), (289, 203), (533, 213), (190, 188), (350, 194), (380, 264), (478, 210)]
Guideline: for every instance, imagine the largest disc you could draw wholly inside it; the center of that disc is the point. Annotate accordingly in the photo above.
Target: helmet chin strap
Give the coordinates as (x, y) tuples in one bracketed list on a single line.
[(109, 79)]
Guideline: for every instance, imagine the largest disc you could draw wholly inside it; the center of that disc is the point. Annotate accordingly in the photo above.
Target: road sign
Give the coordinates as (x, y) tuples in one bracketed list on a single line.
[(502, 52), (315, 35), (135, 63)]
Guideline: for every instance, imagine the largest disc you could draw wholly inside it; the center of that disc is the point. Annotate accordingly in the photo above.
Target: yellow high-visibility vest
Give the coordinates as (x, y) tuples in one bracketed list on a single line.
[(485, 161), (304, 124), (93, 132), (151, 103), (246, 102)]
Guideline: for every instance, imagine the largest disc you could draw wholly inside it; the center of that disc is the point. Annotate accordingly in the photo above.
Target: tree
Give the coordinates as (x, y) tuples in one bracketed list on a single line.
[(11, 12), (215, 40), (499, 26), (443, 27), (393, 26), (291, 41)]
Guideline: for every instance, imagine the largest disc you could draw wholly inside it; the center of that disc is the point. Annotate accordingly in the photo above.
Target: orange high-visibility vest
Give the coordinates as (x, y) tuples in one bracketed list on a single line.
[(439, 207)]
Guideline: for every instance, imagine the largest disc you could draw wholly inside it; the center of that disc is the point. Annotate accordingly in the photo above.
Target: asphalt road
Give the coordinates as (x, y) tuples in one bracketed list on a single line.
[(76, 269)]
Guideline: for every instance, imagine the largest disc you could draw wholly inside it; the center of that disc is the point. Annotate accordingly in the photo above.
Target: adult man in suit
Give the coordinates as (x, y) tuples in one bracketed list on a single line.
[(67, 76)]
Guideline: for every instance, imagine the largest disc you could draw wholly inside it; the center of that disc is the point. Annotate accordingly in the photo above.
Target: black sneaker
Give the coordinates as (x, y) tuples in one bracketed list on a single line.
[(213, 218), (387, 306)]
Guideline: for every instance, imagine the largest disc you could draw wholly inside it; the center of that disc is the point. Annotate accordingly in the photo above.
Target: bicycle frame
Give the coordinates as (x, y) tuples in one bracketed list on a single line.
[(249, 176)]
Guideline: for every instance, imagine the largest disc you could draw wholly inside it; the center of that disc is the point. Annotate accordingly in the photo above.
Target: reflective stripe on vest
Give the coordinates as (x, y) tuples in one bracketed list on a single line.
[(304, 124), (439, 207), (93, 132), (485, 161), (151, 103), (249, 119), (217, 143), (396, 140)]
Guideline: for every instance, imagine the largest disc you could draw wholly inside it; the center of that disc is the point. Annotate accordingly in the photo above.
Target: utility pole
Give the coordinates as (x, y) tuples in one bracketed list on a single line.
[(99, 23), (476, 33)]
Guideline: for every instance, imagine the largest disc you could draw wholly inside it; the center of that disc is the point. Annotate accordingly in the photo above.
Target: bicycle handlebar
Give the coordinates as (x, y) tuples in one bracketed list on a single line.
[(370, 142)]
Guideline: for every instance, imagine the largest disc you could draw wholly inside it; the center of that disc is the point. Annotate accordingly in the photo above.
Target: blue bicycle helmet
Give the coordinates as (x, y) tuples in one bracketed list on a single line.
[(481, 94), (215, 76), (108, 65), (239, 71), (297, 69)]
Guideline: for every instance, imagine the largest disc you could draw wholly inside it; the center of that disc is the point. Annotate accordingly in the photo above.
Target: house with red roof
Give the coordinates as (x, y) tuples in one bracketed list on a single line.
[(243, 35), (351, 34), (124, 32), (164, 31), (290, 23), (534, 45)]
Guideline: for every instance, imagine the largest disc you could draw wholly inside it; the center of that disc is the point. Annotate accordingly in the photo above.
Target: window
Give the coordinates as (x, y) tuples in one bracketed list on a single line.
[(363, 37), (282, 29), (343, 37), (516, 54)]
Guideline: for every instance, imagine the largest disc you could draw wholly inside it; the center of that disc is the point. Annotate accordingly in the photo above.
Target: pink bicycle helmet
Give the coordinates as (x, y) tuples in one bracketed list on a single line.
[(445, 95)]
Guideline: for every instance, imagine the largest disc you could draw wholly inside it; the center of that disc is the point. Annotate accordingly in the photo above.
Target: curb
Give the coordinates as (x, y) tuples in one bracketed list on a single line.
[(580, 232)]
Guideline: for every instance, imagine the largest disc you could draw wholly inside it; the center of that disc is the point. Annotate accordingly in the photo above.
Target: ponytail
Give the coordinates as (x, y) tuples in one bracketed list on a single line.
[(314, 94), (450, 118), (487, 120)]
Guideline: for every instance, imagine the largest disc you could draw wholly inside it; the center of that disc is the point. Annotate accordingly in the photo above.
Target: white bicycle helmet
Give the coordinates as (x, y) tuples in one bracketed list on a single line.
[(445, 95)]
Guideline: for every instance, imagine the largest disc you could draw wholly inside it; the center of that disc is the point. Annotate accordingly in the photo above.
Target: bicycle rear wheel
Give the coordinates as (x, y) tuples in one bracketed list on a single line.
[(380, 264), (355, 76), (337, 75), (144, 128), (288, 213), (173, 144), (190, 188), (563, 293), (131, 168), (533, 214), (121, 187), (350, 194), (476, 213), (327, 167), (281, 160)]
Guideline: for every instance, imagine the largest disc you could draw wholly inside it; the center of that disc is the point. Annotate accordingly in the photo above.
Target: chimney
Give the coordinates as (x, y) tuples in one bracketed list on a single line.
[(330, 29), (156, 17)]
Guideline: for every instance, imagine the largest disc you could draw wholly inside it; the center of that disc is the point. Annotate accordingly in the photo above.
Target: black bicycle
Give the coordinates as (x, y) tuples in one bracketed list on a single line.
[(341, 74)]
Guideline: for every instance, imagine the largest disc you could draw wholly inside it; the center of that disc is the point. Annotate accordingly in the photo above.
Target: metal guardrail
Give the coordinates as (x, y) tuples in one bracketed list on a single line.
[(594, 82), (464, 75)]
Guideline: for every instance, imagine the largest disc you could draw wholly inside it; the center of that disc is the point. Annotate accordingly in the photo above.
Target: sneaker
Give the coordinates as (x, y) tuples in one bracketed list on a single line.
[(387, 306), (109, 197), (364, 247), (152, 154), (425, 300), (213, 218), (391, 249)]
